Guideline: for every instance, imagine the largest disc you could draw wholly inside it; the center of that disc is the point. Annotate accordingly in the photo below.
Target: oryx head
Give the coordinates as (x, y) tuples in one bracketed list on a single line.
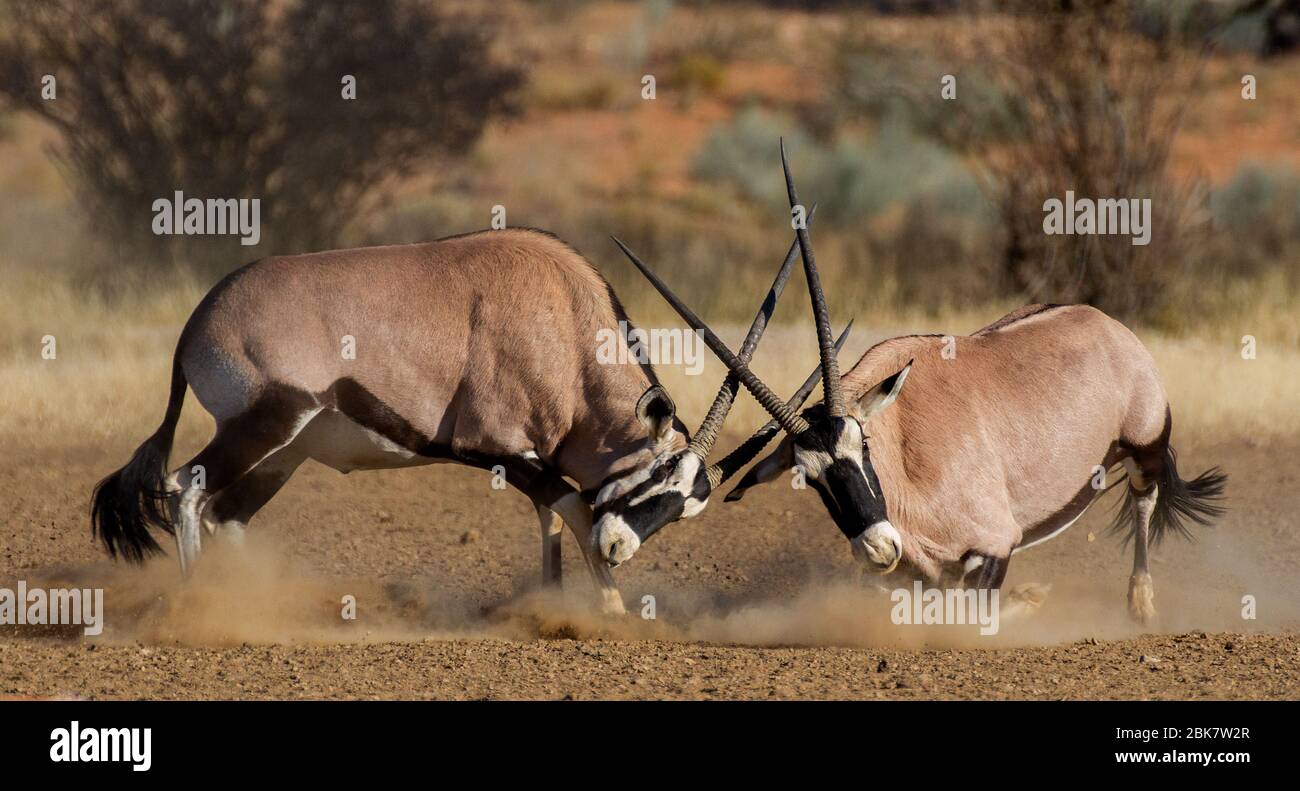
[(676, 482), (631, 506), (833, 454), (826, 442)]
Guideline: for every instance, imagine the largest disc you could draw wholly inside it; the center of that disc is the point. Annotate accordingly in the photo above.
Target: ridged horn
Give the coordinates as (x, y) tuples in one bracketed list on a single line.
[(745, 452), (777, 408), (702, 443), (830, 366)]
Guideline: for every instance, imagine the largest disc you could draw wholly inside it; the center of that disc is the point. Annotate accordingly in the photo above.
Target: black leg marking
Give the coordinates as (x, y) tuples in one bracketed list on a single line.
[(245, 497), (541, 482), (555, 563), (991, 573), (242, 442)]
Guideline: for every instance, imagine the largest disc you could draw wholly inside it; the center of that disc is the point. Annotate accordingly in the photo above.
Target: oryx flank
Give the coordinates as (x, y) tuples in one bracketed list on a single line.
[(478, 350), (993, 445)]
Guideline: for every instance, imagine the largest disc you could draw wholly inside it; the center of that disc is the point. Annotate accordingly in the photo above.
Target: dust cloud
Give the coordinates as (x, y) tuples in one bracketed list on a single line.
[(259, 595)]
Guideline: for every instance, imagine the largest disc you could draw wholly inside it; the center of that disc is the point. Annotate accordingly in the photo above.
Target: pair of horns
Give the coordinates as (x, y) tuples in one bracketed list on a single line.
[(702, 443), (784, 413)]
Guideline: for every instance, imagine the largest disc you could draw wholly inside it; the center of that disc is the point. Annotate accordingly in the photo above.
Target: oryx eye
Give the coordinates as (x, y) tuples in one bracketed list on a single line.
[(665, 470)]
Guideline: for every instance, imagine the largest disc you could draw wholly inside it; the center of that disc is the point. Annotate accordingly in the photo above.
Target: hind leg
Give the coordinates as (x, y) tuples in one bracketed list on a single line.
[(1141, 594), (183, 492), (231, 509), (240, 445), (552, 569)]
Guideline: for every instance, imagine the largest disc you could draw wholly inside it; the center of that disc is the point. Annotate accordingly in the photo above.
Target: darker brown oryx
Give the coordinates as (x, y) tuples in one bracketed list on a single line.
[(992, 446), (478, 350)]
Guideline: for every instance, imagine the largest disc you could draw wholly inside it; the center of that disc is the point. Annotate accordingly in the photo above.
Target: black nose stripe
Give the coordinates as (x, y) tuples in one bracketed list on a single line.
[(844, 490), (650, 514)]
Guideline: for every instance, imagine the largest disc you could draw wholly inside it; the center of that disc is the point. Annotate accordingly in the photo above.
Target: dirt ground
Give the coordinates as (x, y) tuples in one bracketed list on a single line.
[(758, 599)]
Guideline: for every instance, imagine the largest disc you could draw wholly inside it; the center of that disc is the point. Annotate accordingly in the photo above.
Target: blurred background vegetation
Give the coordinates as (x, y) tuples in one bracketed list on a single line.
[(927, 207)]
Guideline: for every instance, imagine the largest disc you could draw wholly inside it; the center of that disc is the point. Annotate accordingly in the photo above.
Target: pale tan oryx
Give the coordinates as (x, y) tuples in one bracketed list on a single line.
[(478, 350), (990, 448)]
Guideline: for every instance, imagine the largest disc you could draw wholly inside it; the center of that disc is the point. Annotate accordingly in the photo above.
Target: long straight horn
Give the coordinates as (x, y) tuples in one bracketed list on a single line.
[(703, 440), (788, 419), (736, 460), (830, 365)]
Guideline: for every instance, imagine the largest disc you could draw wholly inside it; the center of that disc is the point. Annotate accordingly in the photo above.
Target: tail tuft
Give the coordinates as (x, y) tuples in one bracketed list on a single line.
[(1178, 502), (131, 500)]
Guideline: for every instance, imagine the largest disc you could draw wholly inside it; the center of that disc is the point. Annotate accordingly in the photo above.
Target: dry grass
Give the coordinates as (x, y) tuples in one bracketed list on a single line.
[(109, 376), (108, 383)]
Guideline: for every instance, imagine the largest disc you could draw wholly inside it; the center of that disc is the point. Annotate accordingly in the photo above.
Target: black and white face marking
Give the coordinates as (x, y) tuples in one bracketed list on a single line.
[(634, 506), (836, 462)]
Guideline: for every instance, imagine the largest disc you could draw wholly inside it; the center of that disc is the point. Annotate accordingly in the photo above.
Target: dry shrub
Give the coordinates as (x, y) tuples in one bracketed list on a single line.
[(243, 99), (1091, 109), (1052, 97)]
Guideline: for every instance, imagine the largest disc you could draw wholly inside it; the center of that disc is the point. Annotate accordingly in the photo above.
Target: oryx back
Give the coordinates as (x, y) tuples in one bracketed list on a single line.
[(480, 345)]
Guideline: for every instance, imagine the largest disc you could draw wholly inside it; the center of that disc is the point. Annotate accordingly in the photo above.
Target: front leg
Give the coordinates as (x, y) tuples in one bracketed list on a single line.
[(577, 515), (987, 572), (551, 493), (983, 572)]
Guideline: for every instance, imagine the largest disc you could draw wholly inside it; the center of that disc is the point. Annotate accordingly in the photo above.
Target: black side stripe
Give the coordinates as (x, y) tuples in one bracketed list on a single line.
[(538, 480)]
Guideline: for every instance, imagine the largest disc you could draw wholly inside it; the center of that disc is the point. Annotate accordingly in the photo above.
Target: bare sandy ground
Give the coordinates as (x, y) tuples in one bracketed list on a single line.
[(752, 600)]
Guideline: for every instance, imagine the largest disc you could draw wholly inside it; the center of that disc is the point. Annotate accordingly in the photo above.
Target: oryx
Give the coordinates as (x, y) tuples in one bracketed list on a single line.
[(994, 445), (477, 349)]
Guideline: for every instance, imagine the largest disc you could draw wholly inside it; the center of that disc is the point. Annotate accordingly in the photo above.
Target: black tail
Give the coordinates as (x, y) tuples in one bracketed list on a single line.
[(1176, 502), (128, 502)]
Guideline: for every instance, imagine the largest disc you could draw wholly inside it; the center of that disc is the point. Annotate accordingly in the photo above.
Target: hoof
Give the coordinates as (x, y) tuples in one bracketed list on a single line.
[(611, 603), (1024, 600), (1141, 598)]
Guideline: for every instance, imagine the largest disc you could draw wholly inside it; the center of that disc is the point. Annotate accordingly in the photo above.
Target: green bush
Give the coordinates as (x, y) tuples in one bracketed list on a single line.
[(1257, 217), (851, 180), (695, 74)]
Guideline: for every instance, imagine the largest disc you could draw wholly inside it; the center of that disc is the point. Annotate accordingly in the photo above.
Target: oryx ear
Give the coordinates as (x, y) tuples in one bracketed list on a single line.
[(770, 468), (881, 396), (655, 410)]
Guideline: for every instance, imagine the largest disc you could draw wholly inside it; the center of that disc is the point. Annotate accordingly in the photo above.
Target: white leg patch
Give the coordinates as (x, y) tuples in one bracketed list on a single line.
[(575, 513), (188, 534), (1135, 477), (234, 533)]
